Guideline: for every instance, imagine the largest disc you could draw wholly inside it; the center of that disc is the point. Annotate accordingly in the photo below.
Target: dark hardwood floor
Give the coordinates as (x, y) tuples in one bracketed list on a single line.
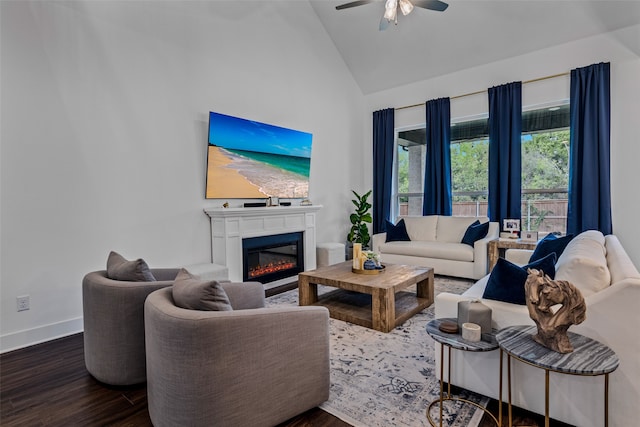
[(47, 385)]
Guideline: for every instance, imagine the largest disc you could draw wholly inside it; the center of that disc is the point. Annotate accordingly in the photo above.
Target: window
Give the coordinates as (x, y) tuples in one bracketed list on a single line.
[(470, 167), (410, 159), (545, 168)]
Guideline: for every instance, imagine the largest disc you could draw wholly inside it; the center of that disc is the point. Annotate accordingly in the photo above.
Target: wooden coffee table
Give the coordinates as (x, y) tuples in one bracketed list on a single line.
[(378, 301)]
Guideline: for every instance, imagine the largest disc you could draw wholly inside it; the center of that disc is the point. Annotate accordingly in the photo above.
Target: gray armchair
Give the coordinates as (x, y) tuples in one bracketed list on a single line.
[(113, 312), (252, 366)]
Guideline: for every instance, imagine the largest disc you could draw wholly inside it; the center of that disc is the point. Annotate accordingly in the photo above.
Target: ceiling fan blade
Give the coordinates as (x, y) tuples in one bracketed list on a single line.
[(436, 5), (354, 4), (384, 23)]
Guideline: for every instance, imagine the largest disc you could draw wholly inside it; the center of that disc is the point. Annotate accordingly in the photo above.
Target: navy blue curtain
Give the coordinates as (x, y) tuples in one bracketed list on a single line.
[(589, 173), (383, 140), (437, 174), (505, 161)]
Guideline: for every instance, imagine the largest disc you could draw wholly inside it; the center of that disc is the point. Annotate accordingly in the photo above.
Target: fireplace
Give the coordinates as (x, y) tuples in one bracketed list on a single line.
[(269, 258), (230, 227)]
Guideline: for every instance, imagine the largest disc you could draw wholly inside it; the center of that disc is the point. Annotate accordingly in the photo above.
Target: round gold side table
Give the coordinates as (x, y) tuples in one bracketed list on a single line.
[(589, 358), (455, 341)]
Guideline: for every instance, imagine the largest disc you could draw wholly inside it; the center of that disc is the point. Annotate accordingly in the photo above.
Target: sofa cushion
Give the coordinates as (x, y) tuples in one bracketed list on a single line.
[(452, 228), (193, 293), (450, 251), (549, 244), (475, 231), (397, 232), (506, 282), (584, 263), (119, 268), (421, 227)]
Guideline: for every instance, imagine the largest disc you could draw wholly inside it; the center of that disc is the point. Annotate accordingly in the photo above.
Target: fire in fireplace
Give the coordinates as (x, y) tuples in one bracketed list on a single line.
[(269, 258)]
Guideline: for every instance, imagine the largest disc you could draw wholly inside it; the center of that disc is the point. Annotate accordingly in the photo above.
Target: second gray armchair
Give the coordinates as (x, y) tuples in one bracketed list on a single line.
[(252, 366)]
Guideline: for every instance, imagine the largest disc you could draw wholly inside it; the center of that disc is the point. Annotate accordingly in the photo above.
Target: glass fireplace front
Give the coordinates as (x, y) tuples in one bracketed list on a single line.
[(269, 258)]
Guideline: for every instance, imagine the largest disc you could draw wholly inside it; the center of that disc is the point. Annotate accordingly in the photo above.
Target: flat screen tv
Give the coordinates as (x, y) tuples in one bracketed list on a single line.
[(248, 160)]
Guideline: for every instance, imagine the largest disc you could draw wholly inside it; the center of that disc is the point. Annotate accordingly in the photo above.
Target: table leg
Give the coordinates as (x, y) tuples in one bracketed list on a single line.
[(442, 378), (606, 400), (307, 292), (425, 288), (449, 373), (546, 398), (509, 388), (500, 393), (383, 307), (448, 396), (493, 254)]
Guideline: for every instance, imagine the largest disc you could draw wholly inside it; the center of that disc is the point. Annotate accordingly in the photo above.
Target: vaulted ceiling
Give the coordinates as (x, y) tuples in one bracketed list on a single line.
[(426, 44)]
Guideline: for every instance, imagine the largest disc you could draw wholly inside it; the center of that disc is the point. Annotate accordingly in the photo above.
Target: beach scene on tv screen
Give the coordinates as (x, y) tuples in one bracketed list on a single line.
[(249, 159)]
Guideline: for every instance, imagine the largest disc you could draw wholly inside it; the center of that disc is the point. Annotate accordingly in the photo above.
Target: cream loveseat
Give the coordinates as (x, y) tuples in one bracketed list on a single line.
[(436, 242), (599, 266)]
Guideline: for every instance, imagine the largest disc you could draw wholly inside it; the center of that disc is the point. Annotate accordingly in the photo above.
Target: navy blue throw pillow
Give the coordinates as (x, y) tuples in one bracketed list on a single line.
[(506, 282), (550, 244), (475, 231), (398, 232)]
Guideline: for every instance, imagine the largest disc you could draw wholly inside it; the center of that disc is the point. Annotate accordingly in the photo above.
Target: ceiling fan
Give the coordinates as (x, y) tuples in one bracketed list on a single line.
[(391, 8)]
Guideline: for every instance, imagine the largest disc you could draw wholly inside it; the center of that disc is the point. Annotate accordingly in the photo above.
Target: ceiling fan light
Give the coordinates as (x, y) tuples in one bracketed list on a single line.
[(391, 4), (390, 14), (406, 7)]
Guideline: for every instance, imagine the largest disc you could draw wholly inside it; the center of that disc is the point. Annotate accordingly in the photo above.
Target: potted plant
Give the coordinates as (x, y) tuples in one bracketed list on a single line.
[(359, 232)]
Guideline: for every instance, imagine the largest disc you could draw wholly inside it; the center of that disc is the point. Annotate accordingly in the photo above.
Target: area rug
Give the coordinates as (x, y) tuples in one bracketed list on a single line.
[(388, 379)]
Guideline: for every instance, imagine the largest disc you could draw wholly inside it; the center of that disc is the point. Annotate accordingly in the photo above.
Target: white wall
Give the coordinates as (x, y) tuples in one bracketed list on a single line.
[(103, 115), (103, 135), (620, 48)]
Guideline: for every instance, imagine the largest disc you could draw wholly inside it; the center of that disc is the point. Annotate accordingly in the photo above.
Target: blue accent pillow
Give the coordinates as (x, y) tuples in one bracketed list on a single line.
[(475, 231), (398, 232), (550, 244), (506, 282)]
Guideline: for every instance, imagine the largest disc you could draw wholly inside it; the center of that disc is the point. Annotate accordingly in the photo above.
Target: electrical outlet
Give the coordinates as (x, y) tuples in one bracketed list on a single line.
[(23, 302)]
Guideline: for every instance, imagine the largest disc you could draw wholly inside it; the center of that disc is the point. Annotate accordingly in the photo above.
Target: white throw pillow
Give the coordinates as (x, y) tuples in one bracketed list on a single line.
[(584, 263), (421, 227)]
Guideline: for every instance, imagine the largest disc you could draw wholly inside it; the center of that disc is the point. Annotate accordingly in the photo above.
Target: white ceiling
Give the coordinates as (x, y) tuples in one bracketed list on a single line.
[(469, 33)]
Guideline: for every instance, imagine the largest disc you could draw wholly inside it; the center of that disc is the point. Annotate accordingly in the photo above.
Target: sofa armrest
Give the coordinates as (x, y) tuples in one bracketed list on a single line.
[(446, 305), (612, 316), (481, 251), (244, 295), (377, 240), (518, 256)]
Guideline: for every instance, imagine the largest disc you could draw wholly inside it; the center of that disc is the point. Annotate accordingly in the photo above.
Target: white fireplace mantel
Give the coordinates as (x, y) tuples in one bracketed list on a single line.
[(230, 225)]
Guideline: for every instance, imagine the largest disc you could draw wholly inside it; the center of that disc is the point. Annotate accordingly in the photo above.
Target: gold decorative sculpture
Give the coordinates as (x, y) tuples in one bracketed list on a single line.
[(542, 294)]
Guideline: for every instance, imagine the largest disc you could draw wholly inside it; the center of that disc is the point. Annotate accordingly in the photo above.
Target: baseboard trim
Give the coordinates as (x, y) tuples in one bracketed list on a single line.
[(29, 337)]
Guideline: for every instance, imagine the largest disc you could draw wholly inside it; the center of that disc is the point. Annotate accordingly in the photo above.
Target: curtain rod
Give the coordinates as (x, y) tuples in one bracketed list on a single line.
[(484, 91)]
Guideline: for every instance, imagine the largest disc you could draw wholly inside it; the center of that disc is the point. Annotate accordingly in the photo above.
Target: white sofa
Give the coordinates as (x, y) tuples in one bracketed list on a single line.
[(612, 295), (436, 242)]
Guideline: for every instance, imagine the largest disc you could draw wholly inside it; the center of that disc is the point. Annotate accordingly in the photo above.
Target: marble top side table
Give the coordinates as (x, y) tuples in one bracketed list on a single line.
[(455, 341), (589, 358)]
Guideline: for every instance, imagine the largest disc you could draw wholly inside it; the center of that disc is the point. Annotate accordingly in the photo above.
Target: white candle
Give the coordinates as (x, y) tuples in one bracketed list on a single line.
[(357, 250), (471, 332)]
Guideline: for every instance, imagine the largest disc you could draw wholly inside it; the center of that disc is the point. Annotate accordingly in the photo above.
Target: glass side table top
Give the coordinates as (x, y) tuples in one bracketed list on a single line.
[(456, 341), (589, 357)]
